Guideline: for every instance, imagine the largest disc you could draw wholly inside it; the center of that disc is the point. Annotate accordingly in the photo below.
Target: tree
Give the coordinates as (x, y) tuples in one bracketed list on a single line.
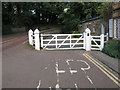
[(36, 13)]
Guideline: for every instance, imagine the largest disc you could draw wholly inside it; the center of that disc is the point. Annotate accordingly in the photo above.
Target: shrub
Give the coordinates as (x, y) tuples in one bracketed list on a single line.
[(76, 32), (112, 48)]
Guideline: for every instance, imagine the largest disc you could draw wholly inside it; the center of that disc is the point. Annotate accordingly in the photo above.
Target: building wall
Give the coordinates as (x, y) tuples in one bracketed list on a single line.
[(115, 21)]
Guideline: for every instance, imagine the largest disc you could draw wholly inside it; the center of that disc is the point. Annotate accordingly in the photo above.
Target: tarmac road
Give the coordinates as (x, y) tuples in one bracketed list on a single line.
[(24, 67)]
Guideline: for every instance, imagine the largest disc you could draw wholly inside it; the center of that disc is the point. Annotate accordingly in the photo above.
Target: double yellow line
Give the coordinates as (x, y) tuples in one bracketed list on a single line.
[(104, 70)]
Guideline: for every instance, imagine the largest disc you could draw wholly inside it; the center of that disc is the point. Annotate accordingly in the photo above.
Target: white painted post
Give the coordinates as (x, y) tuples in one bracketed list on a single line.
[(37, 39), (70, 41), (56, 40), (102, 29), (102, 42), (41, 40), (87, 40), (107, 37), (30, 35), (83, 40)]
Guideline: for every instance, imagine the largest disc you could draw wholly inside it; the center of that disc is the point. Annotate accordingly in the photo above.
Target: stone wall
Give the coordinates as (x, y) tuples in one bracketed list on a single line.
[(94, 26)]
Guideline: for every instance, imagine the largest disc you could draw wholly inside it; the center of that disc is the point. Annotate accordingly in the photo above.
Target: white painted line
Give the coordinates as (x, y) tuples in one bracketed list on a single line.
[(45, 67), (8, 40), (89, 79), (60, 71), (24, 42), (57, 86), (86, 64), (67, 62), (76, 85), (50, 88), (39, 85), (73, 71)]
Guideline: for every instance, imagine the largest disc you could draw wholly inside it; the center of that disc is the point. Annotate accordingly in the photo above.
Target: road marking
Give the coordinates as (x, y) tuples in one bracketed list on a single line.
[(68, 60), (71, 71), (60, 71), (39, 85), (86, 64), (57, 70), (50, 88), (25, 42), (102, 70), (45, 67), (76, 86), (57, 86), (89, 79), (8, 40)]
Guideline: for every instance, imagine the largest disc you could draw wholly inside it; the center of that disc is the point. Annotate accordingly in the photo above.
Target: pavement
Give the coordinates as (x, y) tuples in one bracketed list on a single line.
[(110, 62), (24, 67)]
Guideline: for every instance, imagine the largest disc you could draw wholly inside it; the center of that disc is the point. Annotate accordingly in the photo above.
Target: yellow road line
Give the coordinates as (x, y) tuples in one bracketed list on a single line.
[(103, 70)]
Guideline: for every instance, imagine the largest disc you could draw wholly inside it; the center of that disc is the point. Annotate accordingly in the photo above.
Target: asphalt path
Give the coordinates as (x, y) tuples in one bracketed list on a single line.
[(24, 67)]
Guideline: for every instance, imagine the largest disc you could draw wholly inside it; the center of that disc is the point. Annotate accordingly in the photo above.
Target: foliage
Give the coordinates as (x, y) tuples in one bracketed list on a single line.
[(105, 10), (6, 29), (19, 14), (112, 48), (70, 25), (76, 32), (93, 43)]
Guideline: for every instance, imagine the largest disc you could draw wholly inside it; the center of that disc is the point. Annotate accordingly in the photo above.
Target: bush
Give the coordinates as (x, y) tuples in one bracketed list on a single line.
[(76, 32), (112, 48)]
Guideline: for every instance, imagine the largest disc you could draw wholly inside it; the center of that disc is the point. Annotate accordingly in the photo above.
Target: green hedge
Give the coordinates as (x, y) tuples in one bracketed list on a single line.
[(112, 48)]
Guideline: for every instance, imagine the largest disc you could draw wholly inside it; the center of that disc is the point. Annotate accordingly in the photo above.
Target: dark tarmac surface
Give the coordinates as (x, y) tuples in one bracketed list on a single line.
[(24, 67)]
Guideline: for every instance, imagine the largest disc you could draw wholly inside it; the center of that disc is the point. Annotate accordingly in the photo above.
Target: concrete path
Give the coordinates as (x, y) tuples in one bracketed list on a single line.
[(112, 63)]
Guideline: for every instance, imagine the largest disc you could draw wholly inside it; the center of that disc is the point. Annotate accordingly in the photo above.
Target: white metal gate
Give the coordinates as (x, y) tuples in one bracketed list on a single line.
[(62, 41), (67, 41), (96, 42)]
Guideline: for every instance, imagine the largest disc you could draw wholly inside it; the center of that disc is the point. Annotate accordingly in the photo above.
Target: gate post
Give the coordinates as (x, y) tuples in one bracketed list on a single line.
[(107, 36), (41, 35), (30, 35), (83, 35), (102, 41), (87, 39), (37, 39)]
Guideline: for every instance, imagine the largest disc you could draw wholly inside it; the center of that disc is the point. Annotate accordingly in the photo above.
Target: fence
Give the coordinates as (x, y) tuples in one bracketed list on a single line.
[(67, 41)]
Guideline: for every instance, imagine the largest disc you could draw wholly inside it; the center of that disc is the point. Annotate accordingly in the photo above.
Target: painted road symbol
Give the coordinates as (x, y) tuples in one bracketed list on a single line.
[(58, 71)]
